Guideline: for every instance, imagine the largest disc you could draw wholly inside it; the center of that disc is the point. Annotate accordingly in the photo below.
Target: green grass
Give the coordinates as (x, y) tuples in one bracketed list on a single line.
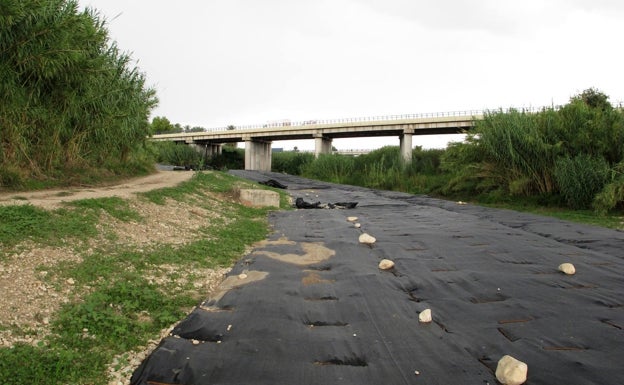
[(114, 206), (612, 220), (27, 222), (118, 306)]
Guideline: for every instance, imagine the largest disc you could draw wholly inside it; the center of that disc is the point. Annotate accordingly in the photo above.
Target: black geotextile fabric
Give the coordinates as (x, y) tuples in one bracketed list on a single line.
[(489, 276)]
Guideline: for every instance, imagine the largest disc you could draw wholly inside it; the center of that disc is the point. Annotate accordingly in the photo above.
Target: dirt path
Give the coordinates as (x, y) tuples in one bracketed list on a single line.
[(51, 199)]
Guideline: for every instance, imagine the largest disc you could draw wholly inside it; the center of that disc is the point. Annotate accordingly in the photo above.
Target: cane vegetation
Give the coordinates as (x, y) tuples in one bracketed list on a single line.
[(73, 105)]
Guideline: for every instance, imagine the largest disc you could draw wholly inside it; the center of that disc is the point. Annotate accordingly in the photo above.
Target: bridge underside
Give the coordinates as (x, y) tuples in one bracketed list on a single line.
[(258, 141)]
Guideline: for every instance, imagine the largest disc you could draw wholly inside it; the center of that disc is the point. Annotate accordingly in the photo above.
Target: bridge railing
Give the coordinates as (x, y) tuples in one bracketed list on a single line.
[(377, 118)]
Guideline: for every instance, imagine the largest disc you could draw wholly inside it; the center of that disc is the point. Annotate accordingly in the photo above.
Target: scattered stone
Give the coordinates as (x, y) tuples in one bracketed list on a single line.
[(461, 203), (195, 342), (357, 225), (511, 371), (229, 328), (386, 264), (416, 372), (242, 276), (567, 268), (70, 281), (367, 239), (352, 219), (425, 316)]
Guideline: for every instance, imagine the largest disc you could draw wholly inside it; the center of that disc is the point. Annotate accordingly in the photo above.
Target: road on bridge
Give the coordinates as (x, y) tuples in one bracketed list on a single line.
[(311, 306)]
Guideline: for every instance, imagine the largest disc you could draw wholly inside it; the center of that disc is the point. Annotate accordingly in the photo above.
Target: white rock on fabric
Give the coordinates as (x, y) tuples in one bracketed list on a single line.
[(386, 264), (511, 371), (357, 225), (567, 268), (425, 316), (367, 239), (352, 219), (242, 276)]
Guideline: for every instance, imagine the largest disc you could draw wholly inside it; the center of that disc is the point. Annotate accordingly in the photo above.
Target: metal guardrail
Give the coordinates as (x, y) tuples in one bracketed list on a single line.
[(378, 118)]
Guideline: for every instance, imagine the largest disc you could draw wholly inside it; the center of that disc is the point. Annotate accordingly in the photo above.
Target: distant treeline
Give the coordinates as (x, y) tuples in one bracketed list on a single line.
[(571, 156)]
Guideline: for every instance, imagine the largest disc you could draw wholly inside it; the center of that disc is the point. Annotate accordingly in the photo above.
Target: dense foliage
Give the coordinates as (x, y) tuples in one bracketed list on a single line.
[(179, 154), (70, 99), (574, 153), (571, 156)]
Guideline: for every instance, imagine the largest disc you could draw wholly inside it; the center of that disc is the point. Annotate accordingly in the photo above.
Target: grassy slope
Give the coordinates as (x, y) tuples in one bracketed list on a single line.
[(120, 309)]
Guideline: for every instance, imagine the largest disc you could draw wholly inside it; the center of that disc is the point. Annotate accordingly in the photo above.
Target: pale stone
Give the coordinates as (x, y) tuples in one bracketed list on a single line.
[(367, 239), (511, 371), (195, 342), (357, 225), (567, 268), (386, 264), (352, 219), (242, 276), (259, 198), (425, 316), (70, 281)]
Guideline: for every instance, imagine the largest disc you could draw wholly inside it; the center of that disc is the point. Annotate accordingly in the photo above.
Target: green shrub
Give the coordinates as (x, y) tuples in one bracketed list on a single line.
[(10, 178), (231, 158), (176, 154), (291, 162), (331, 168), (612, 195), (580, 178)]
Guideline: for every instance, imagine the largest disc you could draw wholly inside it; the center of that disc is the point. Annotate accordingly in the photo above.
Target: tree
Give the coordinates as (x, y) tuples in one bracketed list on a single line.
[(593, 98), (161, 125)]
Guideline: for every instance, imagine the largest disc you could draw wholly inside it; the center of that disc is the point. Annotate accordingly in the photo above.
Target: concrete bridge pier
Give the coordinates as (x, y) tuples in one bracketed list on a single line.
[(322, 145), (206, 149), (406, 145), (213, 149), (257, 155)]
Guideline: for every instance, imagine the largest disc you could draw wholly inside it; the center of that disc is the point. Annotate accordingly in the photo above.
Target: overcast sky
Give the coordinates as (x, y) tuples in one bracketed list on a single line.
[(220, 62)]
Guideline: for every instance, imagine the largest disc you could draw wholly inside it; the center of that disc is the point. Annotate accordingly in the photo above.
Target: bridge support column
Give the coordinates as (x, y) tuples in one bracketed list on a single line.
[(406, 146), (257, 155), (213, 149), (322, 145), (199, 147)]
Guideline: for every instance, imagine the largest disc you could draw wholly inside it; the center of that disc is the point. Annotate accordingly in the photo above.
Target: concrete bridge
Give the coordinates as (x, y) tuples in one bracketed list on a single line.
[(258, 138)]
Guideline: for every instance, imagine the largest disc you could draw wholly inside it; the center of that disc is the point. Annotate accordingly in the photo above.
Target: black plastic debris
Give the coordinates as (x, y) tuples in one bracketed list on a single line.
[(342, 205), (302, 204), (273, 183)]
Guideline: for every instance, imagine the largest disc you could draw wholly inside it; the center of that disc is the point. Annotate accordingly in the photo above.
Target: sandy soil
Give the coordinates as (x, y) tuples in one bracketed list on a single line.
[(51, 199)]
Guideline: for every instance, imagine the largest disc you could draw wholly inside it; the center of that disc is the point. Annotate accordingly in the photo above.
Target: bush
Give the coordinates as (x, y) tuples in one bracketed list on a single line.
[(291, 163), (331, 168), (231, 158), (612, 195), (176, 154), (580, 178)]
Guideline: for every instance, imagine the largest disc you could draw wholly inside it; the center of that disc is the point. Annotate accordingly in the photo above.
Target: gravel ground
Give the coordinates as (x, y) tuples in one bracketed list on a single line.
[(30, 298)]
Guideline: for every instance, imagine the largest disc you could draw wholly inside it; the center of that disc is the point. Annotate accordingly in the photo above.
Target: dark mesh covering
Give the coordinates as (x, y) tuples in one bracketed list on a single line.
[(489, 276)]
